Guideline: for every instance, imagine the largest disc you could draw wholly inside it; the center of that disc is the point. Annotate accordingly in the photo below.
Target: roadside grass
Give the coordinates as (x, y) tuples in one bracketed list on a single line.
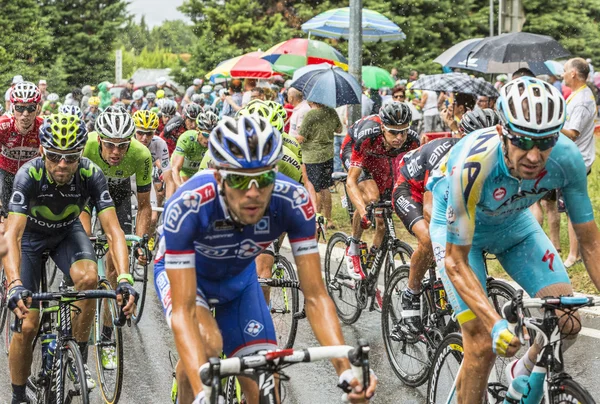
[(578, 274)]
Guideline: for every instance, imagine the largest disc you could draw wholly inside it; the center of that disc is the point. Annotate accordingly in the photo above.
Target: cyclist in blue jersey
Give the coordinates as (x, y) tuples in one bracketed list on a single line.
[(481, 204), (215, 225)]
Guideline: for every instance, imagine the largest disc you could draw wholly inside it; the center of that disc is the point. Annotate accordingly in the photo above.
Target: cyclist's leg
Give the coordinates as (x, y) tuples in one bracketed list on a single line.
[(370, 193), (264, 269), (478, 360), (385, 194), (123, 210)]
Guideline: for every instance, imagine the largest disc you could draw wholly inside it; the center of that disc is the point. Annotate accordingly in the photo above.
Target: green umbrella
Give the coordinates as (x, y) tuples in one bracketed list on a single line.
[(376, 77)]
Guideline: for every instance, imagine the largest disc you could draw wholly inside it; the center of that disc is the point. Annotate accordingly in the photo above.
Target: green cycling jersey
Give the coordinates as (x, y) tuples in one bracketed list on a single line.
[(191, 150), (291, 143)]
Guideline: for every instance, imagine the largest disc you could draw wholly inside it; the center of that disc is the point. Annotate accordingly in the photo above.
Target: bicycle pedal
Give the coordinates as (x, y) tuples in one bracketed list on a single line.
[(301, 315)]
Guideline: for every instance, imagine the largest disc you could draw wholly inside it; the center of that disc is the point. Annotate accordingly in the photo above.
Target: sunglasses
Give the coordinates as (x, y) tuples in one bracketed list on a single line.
[(112, 145), (205, 134), (69, 158), (22, 108), (528, 143), (237, 180), (398, 97), (144, 132), (396, 132)]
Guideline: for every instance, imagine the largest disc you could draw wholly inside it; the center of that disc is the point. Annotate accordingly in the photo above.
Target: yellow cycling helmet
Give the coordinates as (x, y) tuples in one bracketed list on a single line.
[(93, 101), (145, 120), (160, 94), (261, 108)]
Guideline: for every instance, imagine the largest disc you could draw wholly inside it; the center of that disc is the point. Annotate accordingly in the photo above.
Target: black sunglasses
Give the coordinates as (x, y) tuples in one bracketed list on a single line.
[(397, 97), (528, 143), (22, 108)]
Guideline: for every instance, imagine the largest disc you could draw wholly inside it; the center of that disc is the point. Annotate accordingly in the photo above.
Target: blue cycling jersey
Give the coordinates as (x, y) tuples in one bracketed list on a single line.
[(199, 235), (478, 188)]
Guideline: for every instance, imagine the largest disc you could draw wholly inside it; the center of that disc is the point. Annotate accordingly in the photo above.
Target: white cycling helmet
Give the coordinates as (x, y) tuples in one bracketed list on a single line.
[(531, 107), (25, 92), (52, 97), (245, 142), (70, 110), (138, 95), (115, 123)]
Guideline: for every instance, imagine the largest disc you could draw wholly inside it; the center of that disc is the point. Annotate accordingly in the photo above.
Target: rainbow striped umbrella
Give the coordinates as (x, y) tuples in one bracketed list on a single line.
[(249, 65), (336, 24), (294, 53)]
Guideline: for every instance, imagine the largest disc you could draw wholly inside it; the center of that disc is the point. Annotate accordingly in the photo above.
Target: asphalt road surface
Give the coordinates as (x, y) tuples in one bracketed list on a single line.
[(148, 370)]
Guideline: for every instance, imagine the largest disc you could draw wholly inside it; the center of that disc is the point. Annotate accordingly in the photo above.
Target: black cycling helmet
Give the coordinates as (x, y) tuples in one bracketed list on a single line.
[(191, 111), (395, 114), (478, 119)]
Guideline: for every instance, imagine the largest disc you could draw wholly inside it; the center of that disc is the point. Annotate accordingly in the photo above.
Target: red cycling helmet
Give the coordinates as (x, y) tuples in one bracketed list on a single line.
[(25, 92)]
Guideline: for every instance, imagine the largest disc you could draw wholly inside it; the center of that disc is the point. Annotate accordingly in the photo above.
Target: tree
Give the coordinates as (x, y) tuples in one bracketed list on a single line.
[(176, 36)]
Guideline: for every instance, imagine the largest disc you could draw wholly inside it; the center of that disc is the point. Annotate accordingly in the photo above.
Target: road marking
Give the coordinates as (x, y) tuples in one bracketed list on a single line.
[(590, 332)]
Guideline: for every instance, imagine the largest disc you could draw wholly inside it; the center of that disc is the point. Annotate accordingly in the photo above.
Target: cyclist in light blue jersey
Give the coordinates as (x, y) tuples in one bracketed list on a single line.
[(215, 225), (480, 204)]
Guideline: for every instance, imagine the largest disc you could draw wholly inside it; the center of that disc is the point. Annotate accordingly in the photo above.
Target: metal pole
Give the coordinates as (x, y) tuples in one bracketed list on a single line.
[(491, 17), (355, 53), (515, 17), (499, 17)]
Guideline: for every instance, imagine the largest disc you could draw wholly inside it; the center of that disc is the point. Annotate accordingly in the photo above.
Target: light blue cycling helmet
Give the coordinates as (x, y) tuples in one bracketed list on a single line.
[(70, 110), (245, 142), (531, 107)]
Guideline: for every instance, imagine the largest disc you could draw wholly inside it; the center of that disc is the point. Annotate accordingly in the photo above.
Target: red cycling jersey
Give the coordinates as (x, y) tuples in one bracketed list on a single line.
[(370, 153), (18, 149)]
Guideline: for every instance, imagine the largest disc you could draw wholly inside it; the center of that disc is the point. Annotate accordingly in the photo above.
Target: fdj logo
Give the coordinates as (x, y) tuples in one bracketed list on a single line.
[(263, 226), (253, 328)]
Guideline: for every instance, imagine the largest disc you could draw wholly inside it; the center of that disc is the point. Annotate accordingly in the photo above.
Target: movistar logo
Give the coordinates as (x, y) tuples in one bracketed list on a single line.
[(37, 174), (47, 214), (87, 172)]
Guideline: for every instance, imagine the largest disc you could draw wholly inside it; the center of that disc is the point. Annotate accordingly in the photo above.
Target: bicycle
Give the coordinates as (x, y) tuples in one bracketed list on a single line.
[(350, 296), (410, 355), (57, 359), (263, 366)]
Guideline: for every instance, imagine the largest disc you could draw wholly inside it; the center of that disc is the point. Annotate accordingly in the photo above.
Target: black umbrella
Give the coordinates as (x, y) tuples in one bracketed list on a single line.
[(518, 47), (455, 83), (329, 86)]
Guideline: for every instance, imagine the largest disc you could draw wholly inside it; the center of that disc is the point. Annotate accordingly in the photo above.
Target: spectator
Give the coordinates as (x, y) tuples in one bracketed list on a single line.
[(386, 95), (456, 109), (338, 138), (301, 107), (249, 85), (219, 102), (428, 103), (191, 90), (366, 103), (414, 76), (233, 101), (289, 109), (316, 136), (394, 73), (16, 79), (206, 92), (104, 94), (139, 102), (162, 85), (257, 93), (126, 95), (483, 102), (377, 101), (522, 72), (87, 92), (581, 110), (77, 97), (552, 79), (43, 86)]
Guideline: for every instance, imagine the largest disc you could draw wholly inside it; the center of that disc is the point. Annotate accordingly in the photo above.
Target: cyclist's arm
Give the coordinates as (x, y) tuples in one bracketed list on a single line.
[(589, 244), (144, 214), (353, 190), (427, 205), (176, 164), (15, 226)]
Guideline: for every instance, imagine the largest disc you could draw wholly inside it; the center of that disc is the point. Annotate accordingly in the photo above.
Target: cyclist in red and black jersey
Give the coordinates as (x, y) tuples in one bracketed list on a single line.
[(19, 135), (371, 152), (413, 205), (179, 124)]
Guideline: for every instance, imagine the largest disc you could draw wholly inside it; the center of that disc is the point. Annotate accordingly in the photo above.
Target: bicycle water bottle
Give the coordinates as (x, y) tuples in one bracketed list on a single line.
[(516, 390), (440, 294), (48, 348), (363, 249)]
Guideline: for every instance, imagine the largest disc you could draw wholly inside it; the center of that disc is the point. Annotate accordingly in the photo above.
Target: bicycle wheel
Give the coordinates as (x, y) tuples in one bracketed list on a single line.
[(3, 301), (407, 354), (140, 278), (446, 364), (342, 289), (401, 254), (284, 303), (568, 391), (74, 386), (7, 336), (108, 347), (38, 383)]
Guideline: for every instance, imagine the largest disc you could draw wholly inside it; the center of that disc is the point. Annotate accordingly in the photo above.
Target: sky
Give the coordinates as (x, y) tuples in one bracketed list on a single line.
[(156, 11)]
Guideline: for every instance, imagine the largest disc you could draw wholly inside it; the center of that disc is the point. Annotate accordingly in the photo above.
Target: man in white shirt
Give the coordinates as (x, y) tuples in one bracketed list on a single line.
[(301, 107), (17, 79)]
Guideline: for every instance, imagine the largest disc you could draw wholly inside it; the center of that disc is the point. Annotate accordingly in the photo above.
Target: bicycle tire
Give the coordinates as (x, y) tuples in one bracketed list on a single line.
[(449, 354), (140, 278), (109, 380), (71, 356), (283, 269), (3, 301), (568, 391), (401, 252), (7, 337), (337, 280), (397, 344)]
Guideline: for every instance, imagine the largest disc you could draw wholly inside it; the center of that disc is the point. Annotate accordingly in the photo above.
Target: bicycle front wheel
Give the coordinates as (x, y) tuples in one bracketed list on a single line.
[(108, 347), (284, 303), (446, 365), (568, 391), (342, 289), (401, 254), (73, 381), (3, 301), (140, 278)]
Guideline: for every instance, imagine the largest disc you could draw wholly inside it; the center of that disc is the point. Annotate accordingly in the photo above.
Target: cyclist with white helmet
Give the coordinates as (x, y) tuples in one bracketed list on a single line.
[(215, 226), (51, 105), (139, 102), (19, 135), (480, 203), (113, 148), (49, 192), (71, 110)]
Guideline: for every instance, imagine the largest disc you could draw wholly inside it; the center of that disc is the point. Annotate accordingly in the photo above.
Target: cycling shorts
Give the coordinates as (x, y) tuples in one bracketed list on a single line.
[(6, 185), (408, 208), (66, 248), (521, 246)]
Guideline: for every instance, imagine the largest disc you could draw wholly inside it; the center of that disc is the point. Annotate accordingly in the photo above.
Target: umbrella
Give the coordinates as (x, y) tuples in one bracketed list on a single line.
[(309, 68), (457, 55), (456, 83), (518, 47), (376, 77), (557, 68), (330, 86), (294, 53), (336, 24), (250, 65)]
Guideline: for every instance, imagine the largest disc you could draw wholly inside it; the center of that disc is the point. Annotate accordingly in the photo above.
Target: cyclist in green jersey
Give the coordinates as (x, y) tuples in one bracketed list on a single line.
[(191, 148), (119, 156)]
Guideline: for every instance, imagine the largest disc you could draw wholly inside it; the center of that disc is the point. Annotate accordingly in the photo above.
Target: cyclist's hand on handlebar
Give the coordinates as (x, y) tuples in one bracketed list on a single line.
[(357, 394), (365, 223), (504, 341), (125, 288), (19, 300), (142, 259)]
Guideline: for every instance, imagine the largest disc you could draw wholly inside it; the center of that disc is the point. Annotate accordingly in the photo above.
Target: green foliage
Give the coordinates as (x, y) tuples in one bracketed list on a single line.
[(174, 36), (157, 58)]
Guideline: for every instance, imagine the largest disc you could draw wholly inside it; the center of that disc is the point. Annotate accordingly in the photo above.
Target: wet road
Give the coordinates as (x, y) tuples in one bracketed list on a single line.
[(148, 371)]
